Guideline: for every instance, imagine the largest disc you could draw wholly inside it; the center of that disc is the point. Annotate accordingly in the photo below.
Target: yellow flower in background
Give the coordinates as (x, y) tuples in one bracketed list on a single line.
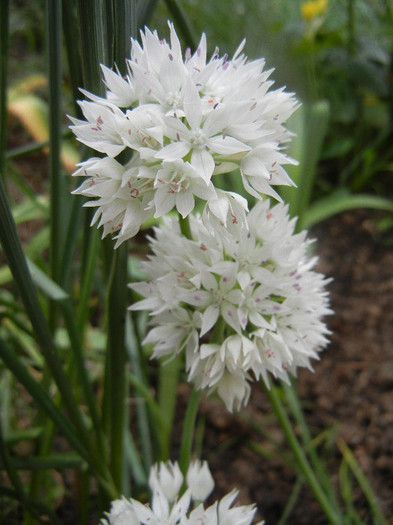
[(313, 9)]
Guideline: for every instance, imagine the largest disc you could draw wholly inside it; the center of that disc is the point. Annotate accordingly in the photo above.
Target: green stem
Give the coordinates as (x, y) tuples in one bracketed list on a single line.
[(185, 226), (167, 396), (53, 10), (95, 42), (181, 19), (188, 430), (292, 398), (22, 276), (125, 26), (7, 463), (90, 246), (116, 360), (78, 360), (300, 456), (4, 9), (41, 397), (142, 385)]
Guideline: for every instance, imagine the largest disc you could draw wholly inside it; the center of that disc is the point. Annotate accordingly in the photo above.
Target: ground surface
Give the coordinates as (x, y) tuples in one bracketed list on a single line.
[(352, 387)]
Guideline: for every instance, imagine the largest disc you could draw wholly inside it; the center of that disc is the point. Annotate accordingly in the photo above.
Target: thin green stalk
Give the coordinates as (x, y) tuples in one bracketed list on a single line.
[(300, 457), (167, 395), (72, 39), (70, 242), (8, 465), (54, 48), (116, 360), (73, 435), (78, 359), (15, 365), (89, 262), (347, 494), (54, 53), (149, 401), (364, 484), (4, 30), (17, 262), (26, 149), (291, 396), (125, 26), (95, 43), (189, 430), (292, 501), (53, 10), (59, 296), (134, 350), (52, 461), (183, 22), (139, 477), (144, 12), (185, 226)]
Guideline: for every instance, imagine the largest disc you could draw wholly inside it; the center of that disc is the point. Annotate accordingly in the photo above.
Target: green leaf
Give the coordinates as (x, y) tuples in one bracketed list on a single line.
[(349, 458), (51, 461), (46, 284), (41, 397), (309, 123), (29, 210), (341, 201)]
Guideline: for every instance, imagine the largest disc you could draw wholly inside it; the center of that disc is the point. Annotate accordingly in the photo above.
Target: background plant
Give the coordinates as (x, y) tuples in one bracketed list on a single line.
[(65, 338)]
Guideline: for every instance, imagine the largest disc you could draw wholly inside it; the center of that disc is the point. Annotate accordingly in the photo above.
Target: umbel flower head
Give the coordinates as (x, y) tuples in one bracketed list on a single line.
[(182, 122), (187, 509), (242, 300)]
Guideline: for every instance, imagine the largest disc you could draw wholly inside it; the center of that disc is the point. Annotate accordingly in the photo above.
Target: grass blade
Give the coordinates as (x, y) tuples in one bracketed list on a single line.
[(57, 192), (341, 201), (40, 395), (182, 22), (349, 458), (4, 34)]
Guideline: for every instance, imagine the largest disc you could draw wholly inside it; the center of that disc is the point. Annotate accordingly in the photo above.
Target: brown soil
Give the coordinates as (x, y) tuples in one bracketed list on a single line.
[(351, 390)]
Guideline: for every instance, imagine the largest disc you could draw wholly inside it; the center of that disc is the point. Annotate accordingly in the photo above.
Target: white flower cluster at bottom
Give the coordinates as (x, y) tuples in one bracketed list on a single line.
[(168, 507)]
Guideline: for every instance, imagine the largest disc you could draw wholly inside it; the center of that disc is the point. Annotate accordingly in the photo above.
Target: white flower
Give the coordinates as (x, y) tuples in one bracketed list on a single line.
[(122, 513), (243, 301), (180, 510), (182, 121), (168, 478), (199, 480)]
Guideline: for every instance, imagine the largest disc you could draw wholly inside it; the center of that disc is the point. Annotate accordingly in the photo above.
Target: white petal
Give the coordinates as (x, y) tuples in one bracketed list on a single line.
[(174, 151), (209, 318), (225, 145), (185, 203), (203, 163)]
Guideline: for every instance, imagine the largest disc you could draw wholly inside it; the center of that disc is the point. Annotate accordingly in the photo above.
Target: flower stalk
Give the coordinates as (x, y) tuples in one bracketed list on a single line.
[(189, 429), (300, 457)]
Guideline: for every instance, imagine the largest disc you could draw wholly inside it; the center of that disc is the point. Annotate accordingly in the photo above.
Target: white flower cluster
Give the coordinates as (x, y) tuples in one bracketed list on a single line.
[(184, 121), (169, 508), (251, 286)]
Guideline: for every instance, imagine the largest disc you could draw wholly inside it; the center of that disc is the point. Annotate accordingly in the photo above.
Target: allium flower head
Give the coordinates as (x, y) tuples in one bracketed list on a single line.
[(183, 121), (181, 510), (242, 300)]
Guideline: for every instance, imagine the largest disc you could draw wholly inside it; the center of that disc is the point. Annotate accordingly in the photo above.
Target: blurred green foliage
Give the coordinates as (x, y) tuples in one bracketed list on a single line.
[(342, 56)]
